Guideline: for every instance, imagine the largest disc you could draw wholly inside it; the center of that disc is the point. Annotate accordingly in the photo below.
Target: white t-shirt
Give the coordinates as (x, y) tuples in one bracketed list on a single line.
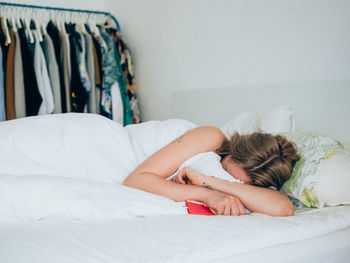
[(151, 136)]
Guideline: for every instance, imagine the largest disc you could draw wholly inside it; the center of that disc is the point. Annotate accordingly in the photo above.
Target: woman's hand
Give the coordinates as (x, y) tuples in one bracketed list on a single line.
[(187, 175), (224, 204)]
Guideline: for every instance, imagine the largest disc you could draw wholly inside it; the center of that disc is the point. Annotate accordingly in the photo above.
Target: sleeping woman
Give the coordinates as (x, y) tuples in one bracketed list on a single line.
[(259, 160)]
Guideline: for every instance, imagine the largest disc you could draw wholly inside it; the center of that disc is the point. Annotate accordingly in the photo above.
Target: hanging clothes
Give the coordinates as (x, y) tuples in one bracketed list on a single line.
[(101, 53), (55, 36), (2, 94), (84, 77), (79, 93), (42, 77), (92, 106), (112, 73), (117, 105), (32, 96), (96, 49), (8, 45), (20, 103), (52, 66), (124, 56), (66, 68), (9, 82)]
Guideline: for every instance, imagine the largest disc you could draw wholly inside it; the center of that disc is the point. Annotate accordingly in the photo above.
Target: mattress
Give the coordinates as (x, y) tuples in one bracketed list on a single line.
[(308, 236)]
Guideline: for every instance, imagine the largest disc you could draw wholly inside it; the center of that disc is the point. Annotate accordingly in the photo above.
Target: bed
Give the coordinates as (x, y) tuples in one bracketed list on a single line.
[(52, 212)]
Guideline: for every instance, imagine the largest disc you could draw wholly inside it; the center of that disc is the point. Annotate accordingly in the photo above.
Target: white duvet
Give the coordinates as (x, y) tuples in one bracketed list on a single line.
[(71, 166)]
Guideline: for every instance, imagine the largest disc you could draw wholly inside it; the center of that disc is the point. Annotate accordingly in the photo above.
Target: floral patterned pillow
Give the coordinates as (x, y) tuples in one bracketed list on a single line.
[(313, 150)]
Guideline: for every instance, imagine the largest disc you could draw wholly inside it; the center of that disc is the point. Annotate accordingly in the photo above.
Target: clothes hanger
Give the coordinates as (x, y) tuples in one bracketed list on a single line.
[(62, 21), (107, 23), (43, 27), (56, 21), (19, 24), (93, 27), (84, 28), (81, 23), (13, 24), (6, 31), (37, 30), (11, 19), (28, 30), (36, 24)]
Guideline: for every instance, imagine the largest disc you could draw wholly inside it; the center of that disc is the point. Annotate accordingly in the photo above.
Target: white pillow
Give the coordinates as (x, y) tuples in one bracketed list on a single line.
[(322, 175), (347, 145), (276, 120), (333, 181)]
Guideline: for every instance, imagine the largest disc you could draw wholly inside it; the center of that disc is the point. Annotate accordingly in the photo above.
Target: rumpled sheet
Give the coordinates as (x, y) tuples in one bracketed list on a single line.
[(174, 238)]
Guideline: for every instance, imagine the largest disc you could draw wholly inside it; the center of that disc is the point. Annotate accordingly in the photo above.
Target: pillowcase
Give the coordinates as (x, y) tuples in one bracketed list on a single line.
[(276, 120), (322, 175)]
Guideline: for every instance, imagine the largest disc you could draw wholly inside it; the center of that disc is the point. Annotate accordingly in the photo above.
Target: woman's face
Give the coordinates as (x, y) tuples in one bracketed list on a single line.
[(235, 170)]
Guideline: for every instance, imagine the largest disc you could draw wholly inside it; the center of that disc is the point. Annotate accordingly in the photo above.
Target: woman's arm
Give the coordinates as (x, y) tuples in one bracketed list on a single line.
[(151, 175), (254, 198), (224, 204)]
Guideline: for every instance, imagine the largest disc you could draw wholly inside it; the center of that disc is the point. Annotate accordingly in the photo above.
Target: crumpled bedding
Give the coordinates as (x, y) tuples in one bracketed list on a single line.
[(61, 200), (80, 146), (71, 166)]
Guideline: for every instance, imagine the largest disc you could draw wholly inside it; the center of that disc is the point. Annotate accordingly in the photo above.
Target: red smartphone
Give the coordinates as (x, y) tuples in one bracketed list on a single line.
[(198, 208)]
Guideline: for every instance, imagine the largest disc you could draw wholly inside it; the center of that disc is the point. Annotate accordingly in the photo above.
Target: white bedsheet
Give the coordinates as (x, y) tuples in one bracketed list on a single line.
[(176, 238), (330, 248)]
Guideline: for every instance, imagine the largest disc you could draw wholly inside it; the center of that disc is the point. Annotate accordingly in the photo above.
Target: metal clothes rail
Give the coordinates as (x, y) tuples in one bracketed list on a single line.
[(64, 9)]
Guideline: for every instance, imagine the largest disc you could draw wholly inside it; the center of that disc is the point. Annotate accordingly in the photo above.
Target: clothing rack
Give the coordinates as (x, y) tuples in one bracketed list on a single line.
[(64, 9), (56, 78)]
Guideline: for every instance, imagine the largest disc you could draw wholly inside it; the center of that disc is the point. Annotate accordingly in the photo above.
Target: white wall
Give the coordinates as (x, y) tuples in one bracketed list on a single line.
[(208, 60)]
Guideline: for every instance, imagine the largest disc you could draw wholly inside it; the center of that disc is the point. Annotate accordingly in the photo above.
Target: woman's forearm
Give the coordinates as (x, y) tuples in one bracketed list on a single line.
[(157, 185), (255, 199)]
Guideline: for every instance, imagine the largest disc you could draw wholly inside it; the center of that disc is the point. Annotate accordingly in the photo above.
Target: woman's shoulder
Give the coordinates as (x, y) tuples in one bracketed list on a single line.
[(169, 130), (212, 134), (212, 130)]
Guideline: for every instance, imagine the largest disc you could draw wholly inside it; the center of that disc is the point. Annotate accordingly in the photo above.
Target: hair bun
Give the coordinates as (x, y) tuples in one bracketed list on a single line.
[(287, 149)]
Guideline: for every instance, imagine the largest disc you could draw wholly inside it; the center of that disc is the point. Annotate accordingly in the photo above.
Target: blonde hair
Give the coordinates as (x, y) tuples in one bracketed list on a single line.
[(267, 159)]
